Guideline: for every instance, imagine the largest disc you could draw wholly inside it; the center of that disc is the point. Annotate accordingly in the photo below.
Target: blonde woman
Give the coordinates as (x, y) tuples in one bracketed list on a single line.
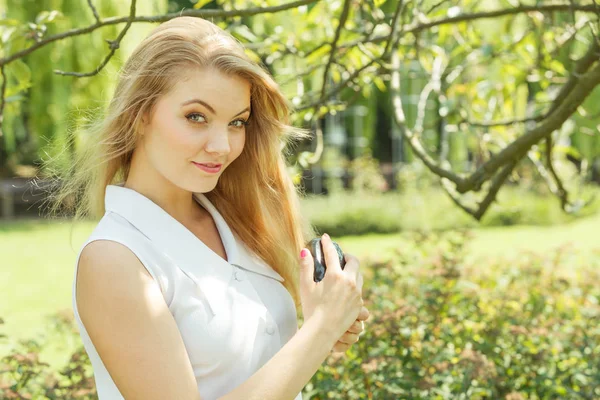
[(190, 285)]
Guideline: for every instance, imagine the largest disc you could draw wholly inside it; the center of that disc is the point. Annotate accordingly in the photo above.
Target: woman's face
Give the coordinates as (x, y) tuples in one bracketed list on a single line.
[(197, 129)]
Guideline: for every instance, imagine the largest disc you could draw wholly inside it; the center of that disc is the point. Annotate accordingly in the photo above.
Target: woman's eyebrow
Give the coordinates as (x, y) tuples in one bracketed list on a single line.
[(212, 110)]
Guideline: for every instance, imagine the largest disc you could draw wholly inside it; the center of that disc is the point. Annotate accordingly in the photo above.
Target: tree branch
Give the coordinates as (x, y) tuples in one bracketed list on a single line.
[(418, 27), (338, 31), (2, 99), (483, 206), (299, 74), (497, 183), (395, 26), (94, 11), (509, 156), (554, 182), (568, 105), (113, 45), (582, 65), (433, 85), (412, 140), (382, 58), (483, 124), (338, 88), (208, 14), (542, 171), (562, 194)]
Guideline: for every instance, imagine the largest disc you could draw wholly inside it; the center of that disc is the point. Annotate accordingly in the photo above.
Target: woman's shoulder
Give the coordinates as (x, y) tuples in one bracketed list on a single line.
[(121, 236), (115, 227)]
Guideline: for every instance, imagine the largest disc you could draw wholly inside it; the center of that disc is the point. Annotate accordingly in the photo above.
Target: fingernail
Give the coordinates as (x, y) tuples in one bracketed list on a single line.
[(303, 253), (326, 235)]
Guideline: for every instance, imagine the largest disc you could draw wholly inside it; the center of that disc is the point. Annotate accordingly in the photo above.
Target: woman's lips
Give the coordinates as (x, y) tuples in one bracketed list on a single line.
[(209, 167)]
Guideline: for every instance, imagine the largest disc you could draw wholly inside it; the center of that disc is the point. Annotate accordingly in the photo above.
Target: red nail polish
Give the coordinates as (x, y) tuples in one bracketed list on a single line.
[(303, 253)]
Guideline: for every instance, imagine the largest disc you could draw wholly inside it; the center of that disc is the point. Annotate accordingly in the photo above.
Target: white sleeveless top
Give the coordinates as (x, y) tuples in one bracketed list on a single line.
[(233, 315)]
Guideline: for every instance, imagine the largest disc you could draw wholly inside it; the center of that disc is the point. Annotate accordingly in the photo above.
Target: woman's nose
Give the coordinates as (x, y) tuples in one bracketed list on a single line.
[(218, 142)]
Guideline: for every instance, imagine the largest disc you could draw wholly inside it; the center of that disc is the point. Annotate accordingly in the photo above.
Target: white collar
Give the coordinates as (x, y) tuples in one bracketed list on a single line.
[(194, 257)]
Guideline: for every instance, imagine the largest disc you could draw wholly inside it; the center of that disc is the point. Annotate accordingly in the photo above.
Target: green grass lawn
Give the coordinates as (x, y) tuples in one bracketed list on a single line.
[(582, 234), (37, 260)]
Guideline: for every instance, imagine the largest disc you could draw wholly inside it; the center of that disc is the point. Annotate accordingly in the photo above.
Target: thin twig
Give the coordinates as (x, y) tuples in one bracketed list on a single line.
[(562, 194), (582, 65), (518, 148), (94, 11), (379, 60), (433, 85), (393, 38), (338, 32), (2, 99), (539, 166), (565, 107), (497, 183), (338, 88), (484, 124), (421, 26), (412, 140), (208, 14), (435, 6), (113, 45)]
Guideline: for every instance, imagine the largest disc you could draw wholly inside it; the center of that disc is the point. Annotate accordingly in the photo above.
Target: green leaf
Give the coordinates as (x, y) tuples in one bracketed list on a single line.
[(14, 98), (567, 150), (366, 90), (201, 3), (19, 77), (7, 34), (45, 17), (557, 66), (379, 83), (255, 57), (242, 31), (9, 22), (318, 55), (21, 70), (336, 75), (311, 6)]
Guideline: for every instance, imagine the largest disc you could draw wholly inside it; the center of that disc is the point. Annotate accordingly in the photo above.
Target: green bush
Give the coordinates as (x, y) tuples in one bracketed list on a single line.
[(440, 328), (443, 329), (24, 376), (430, 209)]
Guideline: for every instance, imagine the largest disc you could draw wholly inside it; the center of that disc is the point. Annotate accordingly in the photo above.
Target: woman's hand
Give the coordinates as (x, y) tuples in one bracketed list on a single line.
[(336, 301), (352, 334)]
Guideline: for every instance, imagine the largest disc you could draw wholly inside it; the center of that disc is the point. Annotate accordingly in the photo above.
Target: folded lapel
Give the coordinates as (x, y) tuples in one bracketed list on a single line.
[(256, 264), (237, 253), (210, 272)]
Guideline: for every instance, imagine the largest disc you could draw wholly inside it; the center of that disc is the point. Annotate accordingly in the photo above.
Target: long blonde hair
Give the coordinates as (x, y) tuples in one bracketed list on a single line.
[(255, 194)]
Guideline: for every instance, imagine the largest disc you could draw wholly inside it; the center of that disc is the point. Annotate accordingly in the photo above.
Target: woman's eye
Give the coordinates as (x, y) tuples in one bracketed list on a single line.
[(196, 117), (239, 123)]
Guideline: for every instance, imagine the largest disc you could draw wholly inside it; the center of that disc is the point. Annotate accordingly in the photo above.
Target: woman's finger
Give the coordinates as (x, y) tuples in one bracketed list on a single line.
[(357, 327), (352, 266), (330, 255), (340, 347), (359, 282), (349, 338), (364, 314)]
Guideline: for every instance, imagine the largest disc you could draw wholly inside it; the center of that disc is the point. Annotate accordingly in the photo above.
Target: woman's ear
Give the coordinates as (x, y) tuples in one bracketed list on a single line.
[(143, 123)]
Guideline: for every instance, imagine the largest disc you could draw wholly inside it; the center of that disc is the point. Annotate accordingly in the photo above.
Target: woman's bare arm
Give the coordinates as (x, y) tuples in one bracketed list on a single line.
[(134, 333), (288, 371), (129, 323)]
